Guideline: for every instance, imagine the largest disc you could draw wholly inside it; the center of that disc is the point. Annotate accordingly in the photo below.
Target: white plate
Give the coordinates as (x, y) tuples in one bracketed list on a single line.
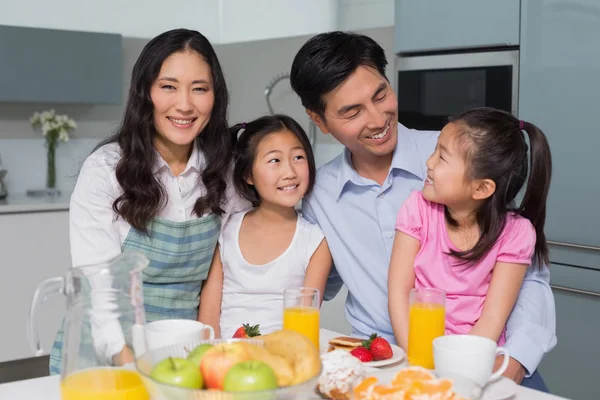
[(397, 355), (501, 389)]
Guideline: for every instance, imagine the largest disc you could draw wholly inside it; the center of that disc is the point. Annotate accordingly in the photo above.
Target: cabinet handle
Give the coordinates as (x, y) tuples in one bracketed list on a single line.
[(574, 246), (577, 291)]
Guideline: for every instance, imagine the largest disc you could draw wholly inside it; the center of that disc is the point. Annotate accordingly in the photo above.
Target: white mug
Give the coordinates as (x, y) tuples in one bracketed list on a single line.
[(469, 356), (168, 332)]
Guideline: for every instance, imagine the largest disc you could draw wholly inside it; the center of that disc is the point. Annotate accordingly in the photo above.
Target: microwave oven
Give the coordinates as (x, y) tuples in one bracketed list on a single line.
[(430, 88)]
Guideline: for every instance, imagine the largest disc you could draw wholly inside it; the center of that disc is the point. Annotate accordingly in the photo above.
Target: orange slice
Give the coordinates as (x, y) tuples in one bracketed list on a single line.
[(365, 387), (438, 389), (387, 392), (406, 376)]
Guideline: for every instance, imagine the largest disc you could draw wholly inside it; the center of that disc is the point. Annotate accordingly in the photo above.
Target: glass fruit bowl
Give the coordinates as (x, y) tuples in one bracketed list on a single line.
[(164, 391)]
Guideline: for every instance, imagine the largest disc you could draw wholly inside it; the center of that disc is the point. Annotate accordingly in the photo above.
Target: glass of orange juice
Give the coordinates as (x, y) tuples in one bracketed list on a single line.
[(427, 321), (103, 384), (301, 312)]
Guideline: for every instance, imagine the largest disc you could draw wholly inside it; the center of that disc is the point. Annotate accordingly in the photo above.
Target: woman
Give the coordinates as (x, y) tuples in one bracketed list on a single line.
[(158, 186)]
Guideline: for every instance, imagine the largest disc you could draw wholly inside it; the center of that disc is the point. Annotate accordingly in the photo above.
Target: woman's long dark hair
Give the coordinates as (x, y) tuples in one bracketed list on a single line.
[(497, 150), (143, 195)]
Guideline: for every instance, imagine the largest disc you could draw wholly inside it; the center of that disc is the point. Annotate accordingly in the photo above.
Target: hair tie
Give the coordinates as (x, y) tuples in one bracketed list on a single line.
[(521, 124), (243, 125)]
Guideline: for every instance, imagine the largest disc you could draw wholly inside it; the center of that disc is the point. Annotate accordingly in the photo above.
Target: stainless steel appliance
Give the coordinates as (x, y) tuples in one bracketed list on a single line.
[(432, 87)]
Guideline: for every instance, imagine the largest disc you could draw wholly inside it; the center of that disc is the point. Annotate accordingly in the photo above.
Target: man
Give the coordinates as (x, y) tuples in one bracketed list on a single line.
[(340, 78)]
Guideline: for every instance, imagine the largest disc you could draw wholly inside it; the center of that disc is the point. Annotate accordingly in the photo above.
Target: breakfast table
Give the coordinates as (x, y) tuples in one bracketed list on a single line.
[(47, 388)]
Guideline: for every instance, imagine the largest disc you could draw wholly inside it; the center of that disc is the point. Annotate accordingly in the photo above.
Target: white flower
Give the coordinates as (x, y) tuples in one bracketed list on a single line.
[(35, 119), (54, 127), (46, 128)]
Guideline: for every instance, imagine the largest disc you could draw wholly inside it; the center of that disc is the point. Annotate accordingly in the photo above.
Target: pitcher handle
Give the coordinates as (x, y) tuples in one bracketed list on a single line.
[(45, 290)]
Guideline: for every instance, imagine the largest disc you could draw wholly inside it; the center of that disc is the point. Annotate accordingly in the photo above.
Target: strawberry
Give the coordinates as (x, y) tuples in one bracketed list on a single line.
[(247, 331), (379, 347), (362, 353)]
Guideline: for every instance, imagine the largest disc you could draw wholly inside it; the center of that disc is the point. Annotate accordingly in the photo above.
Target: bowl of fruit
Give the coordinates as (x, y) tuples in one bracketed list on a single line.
[(279, 366)]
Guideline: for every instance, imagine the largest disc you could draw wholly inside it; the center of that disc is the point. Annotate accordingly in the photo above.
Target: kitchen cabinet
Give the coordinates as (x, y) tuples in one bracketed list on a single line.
[(58, 66), (35, 246), (559, 84), (437, 25), (558, 91), (245, 21), (570, 370)]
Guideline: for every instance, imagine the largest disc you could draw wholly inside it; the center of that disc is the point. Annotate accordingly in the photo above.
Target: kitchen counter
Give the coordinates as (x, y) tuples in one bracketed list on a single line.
[(48, 387), (21, 203)]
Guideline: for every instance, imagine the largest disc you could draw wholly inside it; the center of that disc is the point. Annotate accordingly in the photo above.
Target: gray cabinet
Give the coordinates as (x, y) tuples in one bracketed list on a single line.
[(57, 66), (559, 87), (431, 25), (571, 369), (558, 91)]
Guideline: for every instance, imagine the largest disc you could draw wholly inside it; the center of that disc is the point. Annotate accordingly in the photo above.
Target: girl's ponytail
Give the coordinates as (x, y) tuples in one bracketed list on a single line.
[(533, 206)]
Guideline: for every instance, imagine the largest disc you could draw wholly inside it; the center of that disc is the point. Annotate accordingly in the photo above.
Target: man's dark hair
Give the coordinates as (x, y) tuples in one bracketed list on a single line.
[(327, 60)]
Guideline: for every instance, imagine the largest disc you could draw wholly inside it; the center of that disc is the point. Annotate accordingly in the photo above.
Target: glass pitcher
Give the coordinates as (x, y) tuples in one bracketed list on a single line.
[(105, 315)]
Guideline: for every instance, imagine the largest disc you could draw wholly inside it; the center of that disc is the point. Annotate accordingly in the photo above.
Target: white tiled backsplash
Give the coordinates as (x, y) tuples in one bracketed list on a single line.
[(26, 163)]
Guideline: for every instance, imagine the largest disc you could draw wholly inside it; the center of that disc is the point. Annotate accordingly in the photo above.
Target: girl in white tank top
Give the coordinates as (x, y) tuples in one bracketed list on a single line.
[(269, 248)]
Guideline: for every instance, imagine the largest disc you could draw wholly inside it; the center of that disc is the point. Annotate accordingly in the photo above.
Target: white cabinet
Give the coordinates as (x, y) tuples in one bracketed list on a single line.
[(357, 15), (221, 21), (433, 25), (244, 21), (132, 18), (33, 247)]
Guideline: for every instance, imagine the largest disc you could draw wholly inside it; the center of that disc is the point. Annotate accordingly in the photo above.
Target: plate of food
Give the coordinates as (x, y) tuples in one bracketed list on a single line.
[(373, 352)]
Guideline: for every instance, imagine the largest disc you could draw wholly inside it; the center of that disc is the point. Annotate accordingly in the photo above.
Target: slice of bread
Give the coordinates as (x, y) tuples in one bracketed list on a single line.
[(344, 343)]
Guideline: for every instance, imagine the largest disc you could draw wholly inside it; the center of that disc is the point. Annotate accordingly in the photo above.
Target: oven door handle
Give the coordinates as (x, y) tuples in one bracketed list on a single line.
[(573, 246), (575, 291)]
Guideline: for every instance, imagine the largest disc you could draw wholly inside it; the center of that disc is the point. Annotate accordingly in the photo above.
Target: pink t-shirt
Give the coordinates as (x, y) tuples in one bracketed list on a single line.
[(465, 285)]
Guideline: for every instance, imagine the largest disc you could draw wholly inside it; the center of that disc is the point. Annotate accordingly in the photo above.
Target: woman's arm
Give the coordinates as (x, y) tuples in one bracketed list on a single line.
[(95, 238), (211, 295), (401, 279), (506, 282), (318, 269)]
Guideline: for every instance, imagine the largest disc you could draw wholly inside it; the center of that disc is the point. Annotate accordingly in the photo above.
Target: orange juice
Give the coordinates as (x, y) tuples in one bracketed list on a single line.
[(304, 320), (426, 322), (103, 384)]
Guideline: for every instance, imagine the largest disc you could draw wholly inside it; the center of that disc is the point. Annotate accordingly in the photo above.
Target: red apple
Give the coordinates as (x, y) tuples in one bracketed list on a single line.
[(217, 361)]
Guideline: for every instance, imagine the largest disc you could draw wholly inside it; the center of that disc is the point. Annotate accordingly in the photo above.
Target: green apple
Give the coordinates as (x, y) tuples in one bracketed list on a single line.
[(178, 372), (250, 376), (196, 355)]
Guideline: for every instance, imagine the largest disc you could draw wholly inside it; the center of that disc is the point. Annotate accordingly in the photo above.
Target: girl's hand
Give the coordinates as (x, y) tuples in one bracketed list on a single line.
[(124, 357)]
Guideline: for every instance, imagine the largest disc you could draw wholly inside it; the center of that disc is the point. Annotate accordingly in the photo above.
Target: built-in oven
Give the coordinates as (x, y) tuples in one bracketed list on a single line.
[(431, 88)]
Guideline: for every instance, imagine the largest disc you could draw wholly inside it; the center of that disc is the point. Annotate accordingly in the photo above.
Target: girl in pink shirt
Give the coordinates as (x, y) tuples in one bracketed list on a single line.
[(463, 233)]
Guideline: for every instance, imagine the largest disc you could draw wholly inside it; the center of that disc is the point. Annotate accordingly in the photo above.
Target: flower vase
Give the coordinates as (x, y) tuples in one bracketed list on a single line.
[(51, 172)]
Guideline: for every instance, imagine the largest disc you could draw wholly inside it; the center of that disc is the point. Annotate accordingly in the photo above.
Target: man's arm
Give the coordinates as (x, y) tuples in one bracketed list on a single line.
[(531, 327), (334, 282)]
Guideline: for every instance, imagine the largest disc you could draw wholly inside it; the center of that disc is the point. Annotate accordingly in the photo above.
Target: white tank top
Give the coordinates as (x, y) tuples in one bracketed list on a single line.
[(253, 294)]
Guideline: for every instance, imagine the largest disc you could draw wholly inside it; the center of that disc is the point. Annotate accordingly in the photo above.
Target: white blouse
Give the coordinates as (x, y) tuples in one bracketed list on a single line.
[(97, 233)]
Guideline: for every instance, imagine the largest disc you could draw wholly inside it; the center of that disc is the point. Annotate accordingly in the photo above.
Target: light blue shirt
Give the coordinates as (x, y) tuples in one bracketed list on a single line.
[(358, 218)]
